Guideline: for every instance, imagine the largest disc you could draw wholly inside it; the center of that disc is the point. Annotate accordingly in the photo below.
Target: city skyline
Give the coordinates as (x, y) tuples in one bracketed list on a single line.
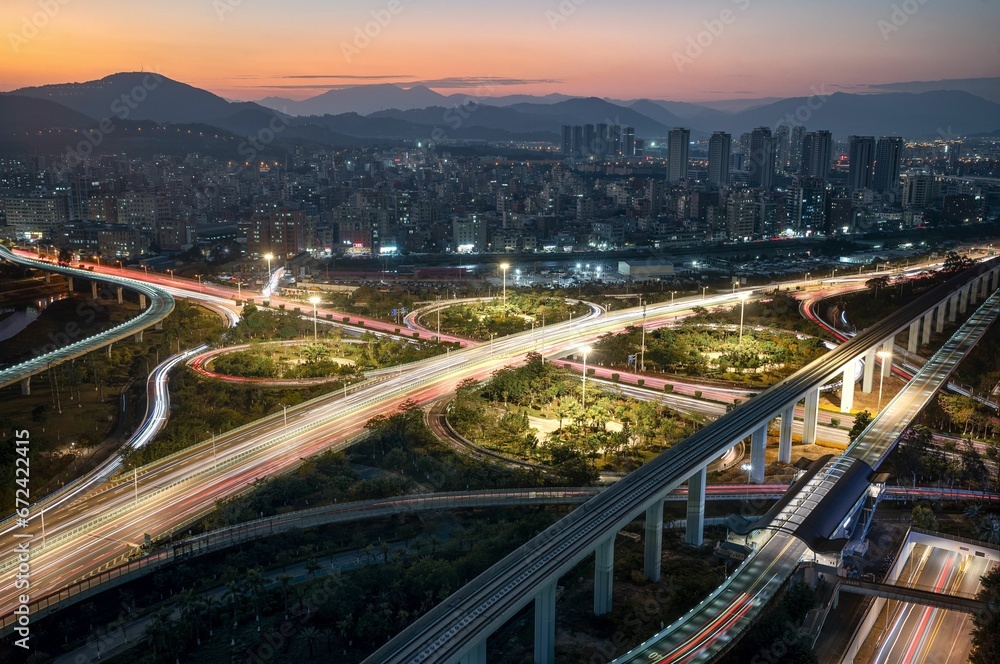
[(693, 52)]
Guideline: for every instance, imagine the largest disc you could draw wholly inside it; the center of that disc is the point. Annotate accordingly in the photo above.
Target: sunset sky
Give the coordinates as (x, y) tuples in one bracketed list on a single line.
[(248, 49)]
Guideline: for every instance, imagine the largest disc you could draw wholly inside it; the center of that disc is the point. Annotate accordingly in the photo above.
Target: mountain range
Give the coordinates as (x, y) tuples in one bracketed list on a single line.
[(360, 114)]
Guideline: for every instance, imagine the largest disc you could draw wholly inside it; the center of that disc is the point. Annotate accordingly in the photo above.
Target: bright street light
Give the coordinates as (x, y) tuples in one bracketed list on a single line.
[(749, 468), (585, 350), (315, 299), (267, 284), (504, 267), (743, 304)]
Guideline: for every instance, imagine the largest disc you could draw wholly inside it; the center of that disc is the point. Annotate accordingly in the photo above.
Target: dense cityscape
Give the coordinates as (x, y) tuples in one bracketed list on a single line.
[(614, 333)]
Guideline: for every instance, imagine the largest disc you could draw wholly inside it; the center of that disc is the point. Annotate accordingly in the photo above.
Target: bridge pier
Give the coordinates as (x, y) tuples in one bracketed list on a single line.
[(939, 317), (694, 534), (48, 277), (654, 537), (974, 290), (869, 377), (811, 417), (137, 337), (120, 292), (26, 386), (926, 336), (69, 284), (604, 566), (847, 391), (545, 625), (963, 299), (785, 438), (758, 454), (984, 286), (93, 290), (142, 301), (913, 340), (158, 326), (953, 308), (475, 656)]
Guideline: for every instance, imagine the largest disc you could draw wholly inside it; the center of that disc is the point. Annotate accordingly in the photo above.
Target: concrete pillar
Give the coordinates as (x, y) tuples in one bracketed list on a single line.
[(758, 454), (69, 284), (158, 326), (695, 532), (26, 386), (953, 308), (545, 625), (811, 417), (939, 313), (120, 292), (477, 655), (785, 440), (913, 342), (974, 290), (109, 348), (926, 336), (142, 301), (654, 539), (604, 567), (963, 299), (93, 289), (48, 277), (984, 286), (138, 337), (868, 380), (847, 391)]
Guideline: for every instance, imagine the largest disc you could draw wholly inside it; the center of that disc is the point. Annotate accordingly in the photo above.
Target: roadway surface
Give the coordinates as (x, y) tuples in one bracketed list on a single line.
[(160, 304)]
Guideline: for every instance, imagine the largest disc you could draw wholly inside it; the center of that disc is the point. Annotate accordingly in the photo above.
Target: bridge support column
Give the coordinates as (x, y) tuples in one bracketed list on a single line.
[(477, 655), (758, 454), (138, 337), (142, 301), (974, 290), (939, 317), (654, 538), (69, 284), (93, 290), (158, 326), (869, 378), (984, 286), (26, 386), (695, 532), (785, 439), (811, 417), (963, 299), (913, 342), (847, 391), (926, 336), (48, 277), (109, 348), (604, 565), (120, 292), (545, 625), (953, 308)]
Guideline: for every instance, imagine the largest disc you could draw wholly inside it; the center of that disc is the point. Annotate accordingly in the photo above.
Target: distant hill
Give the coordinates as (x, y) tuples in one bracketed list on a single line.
[(592, 110), (148, 96), (361, 99), (987, 88), (21, 114)]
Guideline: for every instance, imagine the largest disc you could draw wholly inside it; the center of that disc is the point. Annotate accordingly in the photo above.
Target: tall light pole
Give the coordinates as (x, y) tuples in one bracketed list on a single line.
[(121, 268), (672, 293), (171, 274), (749, 468), (886, 357), (267, 283), (642, 348), (504, 267), (215, 459), (585, 350), (743, 305), (704, 289), (239, 289), (315, 300)]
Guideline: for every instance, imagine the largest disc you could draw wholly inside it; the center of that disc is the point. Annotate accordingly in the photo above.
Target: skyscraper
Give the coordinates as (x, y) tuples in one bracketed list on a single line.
[(861, 157), (719, 155), (589, 140), (888, 158), (578, 146), (628, 142), (795, 148), (678, 146), (567, 140), (783, 142), (615, 140), (601, 141), (761, 166), (816, 149)]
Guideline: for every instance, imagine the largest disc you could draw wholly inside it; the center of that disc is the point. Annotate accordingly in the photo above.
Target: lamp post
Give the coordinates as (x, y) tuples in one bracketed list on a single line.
[(171, 274), (743, 304), (121, 268), (267, 283), (284, 411), (97, 257), (239, 290), (585, 350), (704, 289), (642, 348), (672, 293), (215, 459), (200, 285), (886, 357), (749, 468), (315, 300), (145, 269), (504, 267)]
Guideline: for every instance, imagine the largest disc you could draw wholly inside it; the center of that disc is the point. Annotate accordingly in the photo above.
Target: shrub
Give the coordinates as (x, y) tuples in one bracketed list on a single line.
[(615, 377), (835, 421), (667, 387), (591, 372), (697, 394), (640, 382)]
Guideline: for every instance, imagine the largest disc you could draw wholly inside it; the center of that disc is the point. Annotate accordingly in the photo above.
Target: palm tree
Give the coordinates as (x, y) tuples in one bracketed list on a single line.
[(973, 513), (285, 581), (311, 635), (990, 527), (233, 595), (312, 566), (255, 581), (328, 635)]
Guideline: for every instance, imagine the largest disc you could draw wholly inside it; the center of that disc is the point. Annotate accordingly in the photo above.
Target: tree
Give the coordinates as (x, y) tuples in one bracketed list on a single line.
[(986, 623), (311, 636), (923, 517), (875, 284), (861, 422), (955, 263)]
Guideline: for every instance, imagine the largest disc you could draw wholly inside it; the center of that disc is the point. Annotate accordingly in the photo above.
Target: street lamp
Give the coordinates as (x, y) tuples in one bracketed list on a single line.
[(171, 274), (672, 293), (886, 357), (704, 289), (97, 257), (315, 299), (121, 269), (200, 285), (215, 459), (749, 468), (743, 304), (267, 284), (642, 348), (585, 350), (504, 267)]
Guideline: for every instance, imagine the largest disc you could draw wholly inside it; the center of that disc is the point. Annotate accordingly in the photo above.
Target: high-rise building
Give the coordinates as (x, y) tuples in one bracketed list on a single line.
[(719, 155), (861, 158), (888, 159), (761, 166), (807, 205), (578, 141), (741, 214), (36, 217), (589, 140), (615, 140), (816, 154), (798, 134), (567, 140), (920, 191), (628, 142), (601, 141), (678, 154), (783, 143)]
